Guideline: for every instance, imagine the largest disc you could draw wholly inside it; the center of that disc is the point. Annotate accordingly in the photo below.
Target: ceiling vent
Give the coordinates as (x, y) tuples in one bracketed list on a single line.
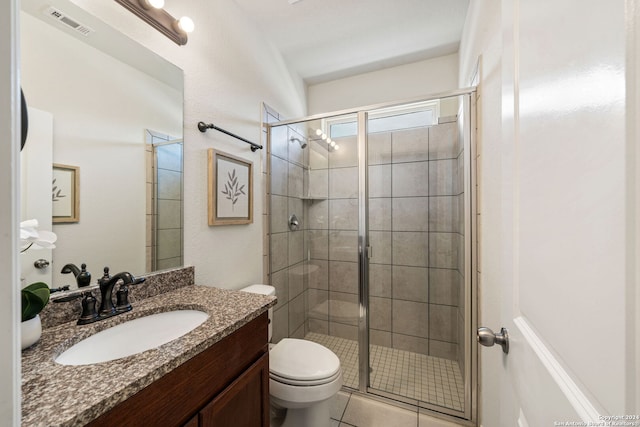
[(68, 21)]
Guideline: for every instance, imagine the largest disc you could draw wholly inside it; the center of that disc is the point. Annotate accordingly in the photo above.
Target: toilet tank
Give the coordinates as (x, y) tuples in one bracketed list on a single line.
[(263, 290)]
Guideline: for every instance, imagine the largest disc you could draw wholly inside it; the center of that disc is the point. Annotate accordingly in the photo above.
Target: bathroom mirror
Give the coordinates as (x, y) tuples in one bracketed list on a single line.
[(117, 111)]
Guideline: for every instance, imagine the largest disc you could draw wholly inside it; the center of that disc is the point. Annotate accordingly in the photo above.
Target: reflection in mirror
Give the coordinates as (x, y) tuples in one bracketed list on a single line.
[(116, 110)]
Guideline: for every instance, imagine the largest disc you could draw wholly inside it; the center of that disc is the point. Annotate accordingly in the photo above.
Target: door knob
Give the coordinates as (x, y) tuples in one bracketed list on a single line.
[(487, 338), (41, 264)]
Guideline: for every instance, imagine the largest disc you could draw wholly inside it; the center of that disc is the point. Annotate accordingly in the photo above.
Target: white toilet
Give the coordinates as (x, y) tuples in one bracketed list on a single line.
[(303, 376)]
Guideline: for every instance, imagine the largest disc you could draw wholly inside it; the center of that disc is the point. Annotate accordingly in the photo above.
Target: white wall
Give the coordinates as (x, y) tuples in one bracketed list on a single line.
[(229, 69), (391, 84), (101, 108)]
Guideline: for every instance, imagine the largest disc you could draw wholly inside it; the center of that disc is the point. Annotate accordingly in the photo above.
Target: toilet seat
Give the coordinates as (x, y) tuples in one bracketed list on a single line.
[(301, 362), (304, 383)]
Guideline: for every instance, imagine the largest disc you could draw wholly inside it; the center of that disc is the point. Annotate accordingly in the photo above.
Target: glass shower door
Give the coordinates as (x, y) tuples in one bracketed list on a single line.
[(314, 267), (416, 286)]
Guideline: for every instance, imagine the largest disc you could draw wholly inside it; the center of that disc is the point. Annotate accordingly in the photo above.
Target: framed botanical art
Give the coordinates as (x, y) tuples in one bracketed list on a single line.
[(230, 189), (65, 193)]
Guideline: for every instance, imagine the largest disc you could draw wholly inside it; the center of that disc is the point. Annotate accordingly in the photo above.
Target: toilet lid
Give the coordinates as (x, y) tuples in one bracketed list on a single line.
[(302, 360)]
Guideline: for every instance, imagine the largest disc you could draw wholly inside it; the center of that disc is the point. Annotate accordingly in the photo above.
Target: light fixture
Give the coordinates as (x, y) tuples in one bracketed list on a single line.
[(148, 4), (318, 132), (324, 136), (336, 147), (186, 24), (333, 144), (151, 12), (329, 140)]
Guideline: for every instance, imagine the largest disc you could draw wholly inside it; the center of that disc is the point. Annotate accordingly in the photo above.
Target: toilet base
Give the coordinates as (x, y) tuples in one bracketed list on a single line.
[(316, 415)]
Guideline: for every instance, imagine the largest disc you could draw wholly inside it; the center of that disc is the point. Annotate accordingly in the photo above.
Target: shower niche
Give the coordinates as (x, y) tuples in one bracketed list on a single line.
[(379, 268)]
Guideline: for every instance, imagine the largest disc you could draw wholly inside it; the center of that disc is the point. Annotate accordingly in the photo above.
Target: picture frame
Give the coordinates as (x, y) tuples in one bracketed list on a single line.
[(65, 194), (230, 189)]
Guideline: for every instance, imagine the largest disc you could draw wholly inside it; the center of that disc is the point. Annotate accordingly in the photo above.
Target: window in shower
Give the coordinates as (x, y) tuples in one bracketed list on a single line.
[(388, 119)]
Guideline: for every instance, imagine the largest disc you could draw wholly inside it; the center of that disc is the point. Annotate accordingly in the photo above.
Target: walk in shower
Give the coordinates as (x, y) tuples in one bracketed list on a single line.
[(370, 237)]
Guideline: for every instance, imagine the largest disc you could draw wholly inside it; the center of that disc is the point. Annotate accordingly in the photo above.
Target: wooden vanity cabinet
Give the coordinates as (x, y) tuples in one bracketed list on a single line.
[(225, 385)]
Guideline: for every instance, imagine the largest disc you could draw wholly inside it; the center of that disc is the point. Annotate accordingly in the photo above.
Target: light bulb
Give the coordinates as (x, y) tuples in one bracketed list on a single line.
[(336, 147), (324, 136), (148, 4), (329, 140), (333, 143), (186, 24), (318, 132)]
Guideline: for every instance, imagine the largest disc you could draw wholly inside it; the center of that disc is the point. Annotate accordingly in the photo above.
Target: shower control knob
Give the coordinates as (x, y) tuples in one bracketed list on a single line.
[(488, 338)]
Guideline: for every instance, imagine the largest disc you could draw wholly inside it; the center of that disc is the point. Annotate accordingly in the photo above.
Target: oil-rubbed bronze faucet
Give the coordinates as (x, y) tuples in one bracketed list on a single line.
[(107, 309)]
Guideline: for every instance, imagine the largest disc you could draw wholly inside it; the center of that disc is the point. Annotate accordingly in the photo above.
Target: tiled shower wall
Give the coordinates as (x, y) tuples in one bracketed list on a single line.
[(288, 167), (416, 231), (164, 202), (333, 239), (415, 210)]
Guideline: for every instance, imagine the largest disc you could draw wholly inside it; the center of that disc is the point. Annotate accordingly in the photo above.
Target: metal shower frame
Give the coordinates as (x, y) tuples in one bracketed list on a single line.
[(469, 415)]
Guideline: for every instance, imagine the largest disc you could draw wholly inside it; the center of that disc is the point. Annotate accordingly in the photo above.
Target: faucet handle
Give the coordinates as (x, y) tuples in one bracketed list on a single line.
[(122, 299), (89, 312), (105, 277), (84, 278)]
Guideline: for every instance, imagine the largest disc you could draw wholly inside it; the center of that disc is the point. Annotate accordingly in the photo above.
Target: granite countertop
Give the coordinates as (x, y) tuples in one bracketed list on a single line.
[(57, 395)]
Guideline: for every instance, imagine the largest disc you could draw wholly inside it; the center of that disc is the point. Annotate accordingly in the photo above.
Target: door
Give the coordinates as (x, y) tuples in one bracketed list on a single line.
[(556, 257), (36, 168)]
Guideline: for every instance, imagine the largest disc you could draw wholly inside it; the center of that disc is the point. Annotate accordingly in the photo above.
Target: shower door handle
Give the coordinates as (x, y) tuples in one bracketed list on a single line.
[(488, 338)]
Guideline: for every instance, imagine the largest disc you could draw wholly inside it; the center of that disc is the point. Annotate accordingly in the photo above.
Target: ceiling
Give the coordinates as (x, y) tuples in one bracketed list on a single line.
[(324, 40)]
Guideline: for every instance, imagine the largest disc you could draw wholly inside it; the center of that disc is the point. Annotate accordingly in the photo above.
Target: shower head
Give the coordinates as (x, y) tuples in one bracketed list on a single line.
[(303, 144)]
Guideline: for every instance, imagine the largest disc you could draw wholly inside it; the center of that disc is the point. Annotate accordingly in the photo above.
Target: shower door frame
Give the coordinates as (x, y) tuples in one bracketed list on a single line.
[(469, 415)]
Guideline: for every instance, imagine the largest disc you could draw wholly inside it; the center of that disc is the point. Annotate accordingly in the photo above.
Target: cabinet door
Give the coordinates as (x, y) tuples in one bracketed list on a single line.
[(245, 403)]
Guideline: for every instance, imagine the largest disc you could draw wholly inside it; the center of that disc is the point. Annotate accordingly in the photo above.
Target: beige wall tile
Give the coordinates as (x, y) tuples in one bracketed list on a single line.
[(380, 280), (443, 286), (410, 318), (380, 242), (379, 182), (410, 283), (343, 183), (380, 214), (443, 323), (343, 246), (379, 148), (380, 313), (343, 276), (410, 179), (409, 343), (410, 214), (410, 145), (443, 141), (410, 248), (346, 155), (343, 214)]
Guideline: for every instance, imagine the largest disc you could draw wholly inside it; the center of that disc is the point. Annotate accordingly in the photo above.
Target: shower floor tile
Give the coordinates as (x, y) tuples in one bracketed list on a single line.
[(427, 379)]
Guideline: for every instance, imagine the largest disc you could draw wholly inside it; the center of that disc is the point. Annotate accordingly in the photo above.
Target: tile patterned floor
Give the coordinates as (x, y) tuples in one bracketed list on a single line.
[(350, 410), (425, 378)]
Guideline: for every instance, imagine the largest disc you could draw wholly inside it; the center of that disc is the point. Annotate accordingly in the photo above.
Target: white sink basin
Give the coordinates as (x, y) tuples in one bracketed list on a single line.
[(132, 337)]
